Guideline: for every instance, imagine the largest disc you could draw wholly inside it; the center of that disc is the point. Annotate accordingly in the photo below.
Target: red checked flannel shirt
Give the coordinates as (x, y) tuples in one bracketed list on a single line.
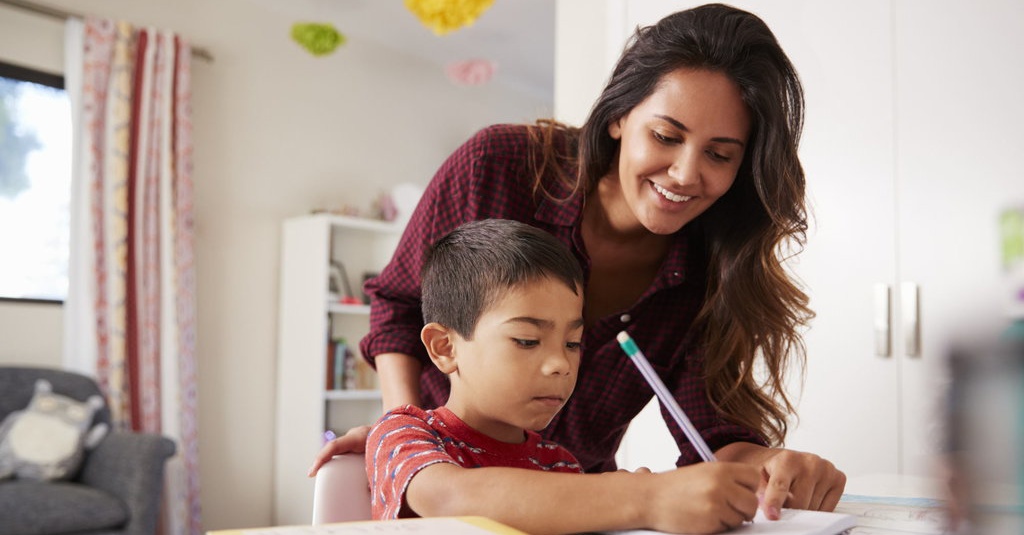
[(488, 177)]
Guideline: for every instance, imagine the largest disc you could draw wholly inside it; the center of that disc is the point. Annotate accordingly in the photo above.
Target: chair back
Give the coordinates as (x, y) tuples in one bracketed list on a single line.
[(341, 492), (18, 385)]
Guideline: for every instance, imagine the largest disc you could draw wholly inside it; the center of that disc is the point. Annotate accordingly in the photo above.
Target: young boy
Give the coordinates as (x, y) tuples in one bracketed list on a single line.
[(503, 307)]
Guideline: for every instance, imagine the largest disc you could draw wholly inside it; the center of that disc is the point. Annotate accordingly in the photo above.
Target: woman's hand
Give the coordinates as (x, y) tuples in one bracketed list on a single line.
[(800, 480), (354, 441), (790, 479)]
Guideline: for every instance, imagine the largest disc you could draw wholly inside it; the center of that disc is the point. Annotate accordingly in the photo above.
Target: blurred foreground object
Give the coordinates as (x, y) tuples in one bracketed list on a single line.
[(986, 433), (1011, 230)]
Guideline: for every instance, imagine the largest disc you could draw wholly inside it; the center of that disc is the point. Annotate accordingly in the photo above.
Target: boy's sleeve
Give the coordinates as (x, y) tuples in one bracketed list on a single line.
[(398, 447)]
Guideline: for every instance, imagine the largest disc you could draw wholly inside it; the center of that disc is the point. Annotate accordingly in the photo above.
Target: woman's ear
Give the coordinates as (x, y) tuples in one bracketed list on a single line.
[(438, 340), (615, 129)]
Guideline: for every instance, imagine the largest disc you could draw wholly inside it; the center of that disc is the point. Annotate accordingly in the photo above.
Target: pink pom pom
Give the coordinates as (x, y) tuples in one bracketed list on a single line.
[(471, 72)]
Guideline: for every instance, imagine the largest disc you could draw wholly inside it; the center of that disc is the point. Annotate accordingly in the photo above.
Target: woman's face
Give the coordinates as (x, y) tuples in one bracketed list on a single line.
[(680, 150)]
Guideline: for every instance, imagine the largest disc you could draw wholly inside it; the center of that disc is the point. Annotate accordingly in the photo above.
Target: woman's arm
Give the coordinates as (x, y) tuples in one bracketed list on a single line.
[(393, 343), (703, 498), (396, 317), (399, 376)]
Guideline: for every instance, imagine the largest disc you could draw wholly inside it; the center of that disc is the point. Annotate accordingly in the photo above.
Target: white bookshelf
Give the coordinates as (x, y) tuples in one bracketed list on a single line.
[(306, 408), (359, 394)]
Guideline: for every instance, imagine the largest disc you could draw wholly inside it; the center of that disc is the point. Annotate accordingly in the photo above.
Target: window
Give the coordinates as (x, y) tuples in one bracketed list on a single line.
[(35, 185)]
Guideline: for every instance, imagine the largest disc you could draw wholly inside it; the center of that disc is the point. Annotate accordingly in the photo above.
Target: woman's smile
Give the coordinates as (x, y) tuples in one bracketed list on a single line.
[(669, 195)]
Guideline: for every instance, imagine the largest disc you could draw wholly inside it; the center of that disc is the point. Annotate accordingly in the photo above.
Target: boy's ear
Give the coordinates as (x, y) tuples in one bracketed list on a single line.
[(438, 340)]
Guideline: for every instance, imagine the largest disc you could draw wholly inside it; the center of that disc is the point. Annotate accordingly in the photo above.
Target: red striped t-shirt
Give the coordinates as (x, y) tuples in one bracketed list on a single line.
[(408, 439)]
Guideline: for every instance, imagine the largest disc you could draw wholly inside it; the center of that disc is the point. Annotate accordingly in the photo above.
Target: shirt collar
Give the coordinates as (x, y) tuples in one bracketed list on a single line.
[(560, 206)]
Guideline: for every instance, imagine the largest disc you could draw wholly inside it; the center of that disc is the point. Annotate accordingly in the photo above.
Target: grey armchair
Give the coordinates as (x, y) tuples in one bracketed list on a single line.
[(116, 491)]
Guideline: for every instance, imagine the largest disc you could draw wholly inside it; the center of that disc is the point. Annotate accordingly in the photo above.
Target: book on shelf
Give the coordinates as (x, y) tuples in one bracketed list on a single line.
[(347, 379), (347, 370), (340, 365), (331, 361)]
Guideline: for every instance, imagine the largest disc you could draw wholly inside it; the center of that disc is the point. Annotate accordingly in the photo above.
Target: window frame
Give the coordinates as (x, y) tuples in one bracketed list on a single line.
[(28, 74)]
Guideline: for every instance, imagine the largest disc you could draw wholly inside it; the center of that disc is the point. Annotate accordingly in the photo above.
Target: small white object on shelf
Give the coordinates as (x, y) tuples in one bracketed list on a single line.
[(406, 196), (362, 223), (344, 308)]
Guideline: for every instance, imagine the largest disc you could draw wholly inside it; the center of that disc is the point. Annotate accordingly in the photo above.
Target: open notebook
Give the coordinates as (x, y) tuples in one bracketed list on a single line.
[(792, 522)]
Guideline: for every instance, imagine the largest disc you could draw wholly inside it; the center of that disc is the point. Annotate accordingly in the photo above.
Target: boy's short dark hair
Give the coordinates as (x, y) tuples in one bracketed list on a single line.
[(465, 271)]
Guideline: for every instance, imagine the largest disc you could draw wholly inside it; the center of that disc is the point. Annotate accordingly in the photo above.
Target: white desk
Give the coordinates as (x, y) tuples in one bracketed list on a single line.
[(897, 505)]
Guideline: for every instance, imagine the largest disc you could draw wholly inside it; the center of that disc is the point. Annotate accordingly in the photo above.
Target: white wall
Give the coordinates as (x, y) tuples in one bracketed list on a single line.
[(31, 333), (589, 37), (277, 132)]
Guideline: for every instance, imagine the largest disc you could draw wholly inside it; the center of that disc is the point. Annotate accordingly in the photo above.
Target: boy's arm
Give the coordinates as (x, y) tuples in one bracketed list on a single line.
[(703, 498)]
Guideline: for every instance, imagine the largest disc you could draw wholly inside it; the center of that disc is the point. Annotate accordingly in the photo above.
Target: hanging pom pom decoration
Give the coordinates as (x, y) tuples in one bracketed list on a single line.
[(444, 16), (319, 39), (471, 72)]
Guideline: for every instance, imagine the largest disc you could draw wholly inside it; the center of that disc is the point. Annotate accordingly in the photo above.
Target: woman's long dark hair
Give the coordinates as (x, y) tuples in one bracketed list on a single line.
[(752, 307)]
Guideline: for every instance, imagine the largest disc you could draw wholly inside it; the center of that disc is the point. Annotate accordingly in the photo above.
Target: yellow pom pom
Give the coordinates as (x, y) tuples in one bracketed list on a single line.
[(443, 16)]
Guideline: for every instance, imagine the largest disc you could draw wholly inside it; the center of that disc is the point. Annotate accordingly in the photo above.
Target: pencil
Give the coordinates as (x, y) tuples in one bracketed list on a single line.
[(670, 403)]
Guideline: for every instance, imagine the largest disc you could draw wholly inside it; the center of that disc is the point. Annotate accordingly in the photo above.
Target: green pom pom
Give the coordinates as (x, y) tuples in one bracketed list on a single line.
[(318, 39)]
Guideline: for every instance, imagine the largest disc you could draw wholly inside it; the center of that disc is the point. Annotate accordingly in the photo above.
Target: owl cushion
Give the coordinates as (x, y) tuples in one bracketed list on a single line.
[(46, 440)]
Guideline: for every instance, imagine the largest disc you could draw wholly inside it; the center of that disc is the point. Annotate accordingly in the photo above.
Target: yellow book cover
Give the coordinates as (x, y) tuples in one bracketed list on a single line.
[(463, 525)]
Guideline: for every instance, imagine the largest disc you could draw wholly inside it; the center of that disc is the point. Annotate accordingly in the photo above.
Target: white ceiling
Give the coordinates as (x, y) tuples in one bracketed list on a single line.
[(519, 35)]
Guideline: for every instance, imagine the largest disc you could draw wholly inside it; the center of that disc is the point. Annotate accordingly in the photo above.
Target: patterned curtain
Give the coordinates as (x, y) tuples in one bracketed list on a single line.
[(130, 313)]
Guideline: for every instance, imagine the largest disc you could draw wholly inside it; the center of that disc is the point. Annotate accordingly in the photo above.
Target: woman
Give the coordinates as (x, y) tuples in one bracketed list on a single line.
[(678, 196)]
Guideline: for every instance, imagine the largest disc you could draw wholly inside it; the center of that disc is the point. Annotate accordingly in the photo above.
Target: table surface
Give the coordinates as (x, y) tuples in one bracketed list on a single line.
[(895, 485), (997, 506)]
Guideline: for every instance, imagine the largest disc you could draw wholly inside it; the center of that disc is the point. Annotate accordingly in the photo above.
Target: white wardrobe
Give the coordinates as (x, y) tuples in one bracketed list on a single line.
[(914, 127)]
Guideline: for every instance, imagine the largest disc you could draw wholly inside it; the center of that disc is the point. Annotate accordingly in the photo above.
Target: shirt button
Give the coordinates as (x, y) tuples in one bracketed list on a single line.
[(625, 318), (675, 273)]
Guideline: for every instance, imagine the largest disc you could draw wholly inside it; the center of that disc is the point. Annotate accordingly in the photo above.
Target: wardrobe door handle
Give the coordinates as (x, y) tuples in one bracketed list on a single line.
[(911, 319), (883, 320)]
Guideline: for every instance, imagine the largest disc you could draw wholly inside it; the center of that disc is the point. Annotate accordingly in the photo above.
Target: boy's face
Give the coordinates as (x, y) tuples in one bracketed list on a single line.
[(520, 367)]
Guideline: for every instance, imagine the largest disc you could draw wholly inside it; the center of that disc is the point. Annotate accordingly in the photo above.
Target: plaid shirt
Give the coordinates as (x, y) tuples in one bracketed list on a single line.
[(488, 177)]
